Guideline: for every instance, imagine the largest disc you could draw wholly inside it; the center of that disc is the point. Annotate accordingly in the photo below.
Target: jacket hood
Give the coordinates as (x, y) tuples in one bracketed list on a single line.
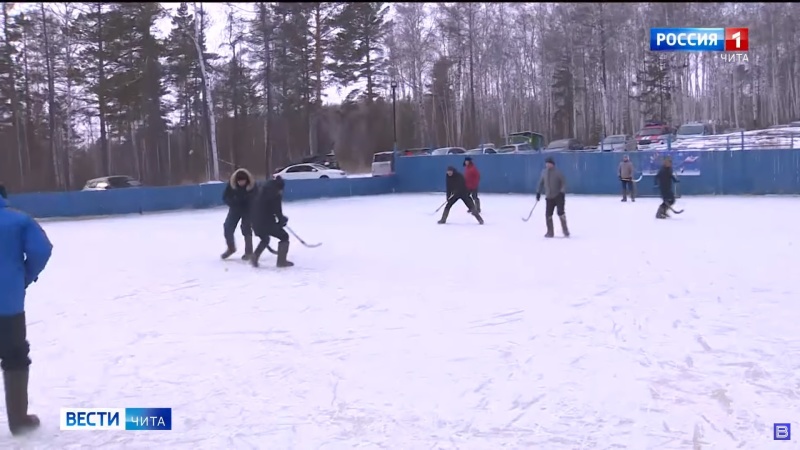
[(251, 181)]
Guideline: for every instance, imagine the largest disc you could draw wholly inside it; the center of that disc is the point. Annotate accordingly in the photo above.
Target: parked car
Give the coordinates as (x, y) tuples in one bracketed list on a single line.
[(653, 133), (482, 151), (329, 160), (618, 143), (111, 182), (425, 151), (382, 164), (448, 151), (778, 127), (561, 145), (309, 172), (516, 148), (694, 130), (796, 123)]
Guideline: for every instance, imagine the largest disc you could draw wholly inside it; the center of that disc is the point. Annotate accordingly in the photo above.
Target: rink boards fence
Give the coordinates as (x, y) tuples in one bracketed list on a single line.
[(152, 199), (743, 172)]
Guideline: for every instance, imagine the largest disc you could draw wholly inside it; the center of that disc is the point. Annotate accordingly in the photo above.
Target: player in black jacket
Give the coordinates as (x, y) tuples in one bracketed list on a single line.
[(268, 220), (663, 180), (457, 190), (238, 194)]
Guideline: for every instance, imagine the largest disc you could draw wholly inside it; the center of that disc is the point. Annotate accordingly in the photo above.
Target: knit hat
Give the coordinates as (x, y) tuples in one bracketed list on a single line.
[(3, 192), (451, 169), (550, 160), (468, 158)]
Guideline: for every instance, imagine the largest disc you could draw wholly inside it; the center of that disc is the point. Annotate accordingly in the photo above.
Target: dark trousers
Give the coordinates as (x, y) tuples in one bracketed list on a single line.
[(627, 185), (555, 204), (274, 231), (473, 194), (14, 347), (465, 197), (232, 219)]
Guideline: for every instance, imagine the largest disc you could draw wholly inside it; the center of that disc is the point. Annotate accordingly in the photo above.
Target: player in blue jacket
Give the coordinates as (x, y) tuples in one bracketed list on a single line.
[(24, 252)]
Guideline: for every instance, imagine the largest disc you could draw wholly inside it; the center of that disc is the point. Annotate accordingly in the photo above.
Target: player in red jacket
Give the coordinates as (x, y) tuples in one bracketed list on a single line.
[(473, 178)]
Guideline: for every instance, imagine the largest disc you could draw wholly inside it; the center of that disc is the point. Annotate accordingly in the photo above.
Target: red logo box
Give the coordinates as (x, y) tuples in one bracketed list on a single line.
[(737, 40)]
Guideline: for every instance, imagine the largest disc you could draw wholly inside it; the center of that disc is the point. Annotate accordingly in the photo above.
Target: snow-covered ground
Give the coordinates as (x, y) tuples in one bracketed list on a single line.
[(398, 333), (778, 138)]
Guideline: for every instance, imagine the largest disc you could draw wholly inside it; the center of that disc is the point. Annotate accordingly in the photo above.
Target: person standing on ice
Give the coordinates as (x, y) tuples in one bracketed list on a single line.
[(24, 252), (268, 220), (457, 190), (472, 178), (554, 185), (238, 194), (625, 173), (663, 181)]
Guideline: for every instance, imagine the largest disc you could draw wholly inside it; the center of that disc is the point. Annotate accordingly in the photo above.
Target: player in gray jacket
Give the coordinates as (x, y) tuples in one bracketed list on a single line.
[(625, 173), (554, 185)]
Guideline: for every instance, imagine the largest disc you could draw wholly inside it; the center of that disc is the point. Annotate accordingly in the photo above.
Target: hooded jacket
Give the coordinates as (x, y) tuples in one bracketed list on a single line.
[(472, 177), (552, 182), (455, 184), (267, 210), (24, 252), (625, 170), (238, 197)]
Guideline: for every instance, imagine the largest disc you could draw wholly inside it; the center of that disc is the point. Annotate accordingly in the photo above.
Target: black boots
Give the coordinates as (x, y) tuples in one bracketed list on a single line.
[(549, 221), (283, 251), (662, 211), (231, 248), (248, 248), (478, 205), (551, 231), (564, 228), (16, 386), (444, 216)]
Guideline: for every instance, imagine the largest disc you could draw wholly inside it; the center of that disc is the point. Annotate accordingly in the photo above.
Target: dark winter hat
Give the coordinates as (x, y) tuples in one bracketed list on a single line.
[(3, 192), (451, 169), (550, 160), (468, 158), (279, 182)]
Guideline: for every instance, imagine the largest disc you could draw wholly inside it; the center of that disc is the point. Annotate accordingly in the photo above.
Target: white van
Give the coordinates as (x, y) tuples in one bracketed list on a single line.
[(382, 164)]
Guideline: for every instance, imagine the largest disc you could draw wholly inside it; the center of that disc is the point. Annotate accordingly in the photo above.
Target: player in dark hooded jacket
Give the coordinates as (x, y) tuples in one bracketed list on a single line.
[(268, 220), (457, 190), (238, 195), (663, 180)]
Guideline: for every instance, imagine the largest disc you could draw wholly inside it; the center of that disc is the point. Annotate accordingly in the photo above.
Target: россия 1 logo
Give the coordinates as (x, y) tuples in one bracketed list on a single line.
[(702, 40)]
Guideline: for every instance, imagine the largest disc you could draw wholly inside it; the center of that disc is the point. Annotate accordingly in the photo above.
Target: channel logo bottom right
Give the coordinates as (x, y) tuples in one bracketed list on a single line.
[(782, 432)]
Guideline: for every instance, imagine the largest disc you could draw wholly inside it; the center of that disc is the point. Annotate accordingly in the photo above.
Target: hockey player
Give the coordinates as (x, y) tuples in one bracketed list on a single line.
[(663, 181), (554, 185), (472, 178), (24, 253), (457, 190), (625, 173), (268, 220), (238, 195)]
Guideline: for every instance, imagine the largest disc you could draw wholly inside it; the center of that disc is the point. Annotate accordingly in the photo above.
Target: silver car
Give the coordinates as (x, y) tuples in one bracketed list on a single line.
[(448, 151), (618, 143)]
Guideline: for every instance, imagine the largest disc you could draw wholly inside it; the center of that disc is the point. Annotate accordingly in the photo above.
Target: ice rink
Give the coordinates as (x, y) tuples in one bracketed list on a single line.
[(398, 333)]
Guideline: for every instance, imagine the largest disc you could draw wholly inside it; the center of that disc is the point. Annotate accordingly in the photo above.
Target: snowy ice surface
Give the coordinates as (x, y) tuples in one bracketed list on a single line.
[(774, 138), (403, 334)]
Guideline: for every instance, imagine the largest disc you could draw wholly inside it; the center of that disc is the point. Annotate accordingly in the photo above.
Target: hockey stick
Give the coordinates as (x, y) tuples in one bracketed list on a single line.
[(442, 205), (678, 211), (525, 219), (305, 244), (638, 179)]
